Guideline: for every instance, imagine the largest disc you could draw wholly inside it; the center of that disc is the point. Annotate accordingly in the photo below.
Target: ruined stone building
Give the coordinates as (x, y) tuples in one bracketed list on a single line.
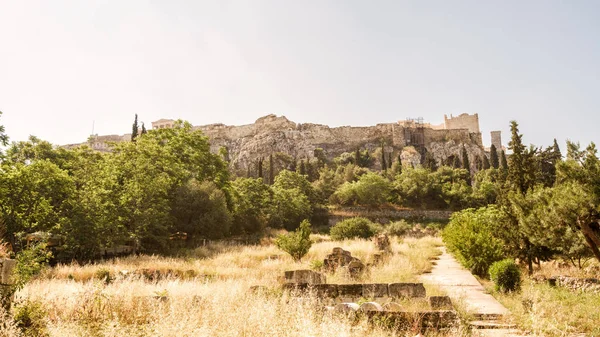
[(410, 138)]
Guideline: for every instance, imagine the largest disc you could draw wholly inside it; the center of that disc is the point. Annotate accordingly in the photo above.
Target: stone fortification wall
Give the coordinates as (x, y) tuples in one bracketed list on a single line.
[(463, 121)]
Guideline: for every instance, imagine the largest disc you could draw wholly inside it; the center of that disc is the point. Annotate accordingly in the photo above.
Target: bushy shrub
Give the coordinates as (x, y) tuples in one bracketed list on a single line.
[(30, 318), (30, 262), (104, 275), (296, 243), (506, 275), (352, 228), (398, 228), (472, 235)]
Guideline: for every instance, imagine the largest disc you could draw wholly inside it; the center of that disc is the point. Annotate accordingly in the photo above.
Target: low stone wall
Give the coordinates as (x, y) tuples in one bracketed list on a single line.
[(352, 292), (6, 270), (386, 216), (574, 283)]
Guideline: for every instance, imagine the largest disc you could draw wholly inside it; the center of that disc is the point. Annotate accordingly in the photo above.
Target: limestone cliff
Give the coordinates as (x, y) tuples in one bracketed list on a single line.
[(272, 134)]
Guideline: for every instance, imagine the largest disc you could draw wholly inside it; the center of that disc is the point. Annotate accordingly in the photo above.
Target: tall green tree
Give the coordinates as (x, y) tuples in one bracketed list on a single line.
[(260, 168), (144, 131), (465, 159), (383, 161), (200, 210), (251, 205), (134, 129), (503, 161), (3, 135), (430, 163), (271, 170), (486, 162), (494, 160)]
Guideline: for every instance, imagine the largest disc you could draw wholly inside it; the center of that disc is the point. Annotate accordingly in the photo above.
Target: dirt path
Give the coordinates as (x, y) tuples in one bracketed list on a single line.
[(462, 287)]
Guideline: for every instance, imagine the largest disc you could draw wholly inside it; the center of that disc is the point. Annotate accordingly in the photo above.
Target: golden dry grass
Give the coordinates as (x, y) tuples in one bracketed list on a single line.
[(76, 303), (552, 311)]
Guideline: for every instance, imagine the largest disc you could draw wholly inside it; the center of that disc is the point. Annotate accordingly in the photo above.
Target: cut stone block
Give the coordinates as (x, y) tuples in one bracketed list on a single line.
[(406, 290), (375, 290), (6, 270), (440, 303), (326, 290), (350, 290), (304, 276)]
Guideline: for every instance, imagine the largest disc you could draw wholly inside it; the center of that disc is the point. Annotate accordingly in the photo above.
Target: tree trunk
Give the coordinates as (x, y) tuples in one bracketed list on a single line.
[(591, 237), (593, 246)]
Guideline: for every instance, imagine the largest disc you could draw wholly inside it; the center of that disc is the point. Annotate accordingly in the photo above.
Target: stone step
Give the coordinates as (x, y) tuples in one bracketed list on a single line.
[(498, 333), (486, 317), (491, 324)]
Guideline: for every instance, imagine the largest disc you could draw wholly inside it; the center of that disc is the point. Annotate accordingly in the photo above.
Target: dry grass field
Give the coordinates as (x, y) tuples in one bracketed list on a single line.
[(206, 293)]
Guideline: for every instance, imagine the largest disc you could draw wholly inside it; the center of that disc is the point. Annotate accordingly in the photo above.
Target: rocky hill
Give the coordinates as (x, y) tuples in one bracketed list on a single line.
[(278, 135)]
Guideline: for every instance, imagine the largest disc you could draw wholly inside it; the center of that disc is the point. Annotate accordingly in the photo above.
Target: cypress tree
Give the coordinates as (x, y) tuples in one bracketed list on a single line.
[(260, 168), (503, 163), (357, 157), (518, 165), (383, 162), (465, 159), (390, 161), (556, 150), (494, 161), (302, 168), (271, 170), (134, 129), (143, 129), (456, 163), (486, 162), (478, 163), (430, 163)]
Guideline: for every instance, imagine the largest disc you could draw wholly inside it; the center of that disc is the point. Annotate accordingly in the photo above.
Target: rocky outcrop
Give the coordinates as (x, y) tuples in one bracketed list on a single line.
[(276, 134)]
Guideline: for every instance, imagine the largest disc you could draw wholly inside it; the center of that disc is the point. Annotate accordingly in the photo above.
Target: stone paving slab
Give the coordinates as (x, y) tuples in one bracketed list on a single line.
[(461, 286)]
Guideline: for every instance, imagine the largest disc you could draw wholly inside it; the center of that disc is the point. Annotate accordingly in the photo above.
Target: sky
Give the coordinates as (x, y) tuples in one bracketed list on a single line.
[(68, 68)]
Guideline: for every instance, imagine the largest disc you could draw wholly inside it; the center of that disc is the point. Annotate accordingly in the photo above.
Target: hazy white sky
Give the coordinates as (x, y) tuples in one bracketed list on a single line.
[(67, 64)]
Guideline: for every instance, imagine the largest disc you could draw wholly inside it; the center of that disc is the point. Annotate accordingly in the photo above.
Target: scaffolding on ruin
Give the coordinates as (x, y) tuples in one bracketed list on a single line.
[(414, 134)]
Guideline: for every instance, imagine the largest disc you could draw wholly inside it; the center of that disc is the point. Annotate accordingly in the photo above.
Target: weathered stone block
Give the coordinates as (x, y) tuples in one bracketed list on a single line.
[(406, 290), (350, 290), (304, 276), (6, 270), (356, 268), (382, 242), (375, 290), (370, 306), (392, 307), (297, 287), (326, 290), (346, 309), (440, 303)]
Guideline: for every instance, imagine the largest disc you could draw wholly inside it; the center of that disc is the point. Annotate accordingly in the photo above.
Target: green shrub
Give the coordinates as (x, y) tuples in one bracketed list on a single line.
[(472, 235), (398, 228), (297, 243), (506, 275), (103, 274), (316, 265), (30, 317), (352, 228), (30, 262)]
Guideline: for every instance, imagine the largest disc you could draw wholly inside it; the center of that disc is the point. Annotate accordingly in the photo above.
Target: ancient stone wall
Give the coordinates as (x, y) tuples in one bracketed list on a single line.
[(463, 121)]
